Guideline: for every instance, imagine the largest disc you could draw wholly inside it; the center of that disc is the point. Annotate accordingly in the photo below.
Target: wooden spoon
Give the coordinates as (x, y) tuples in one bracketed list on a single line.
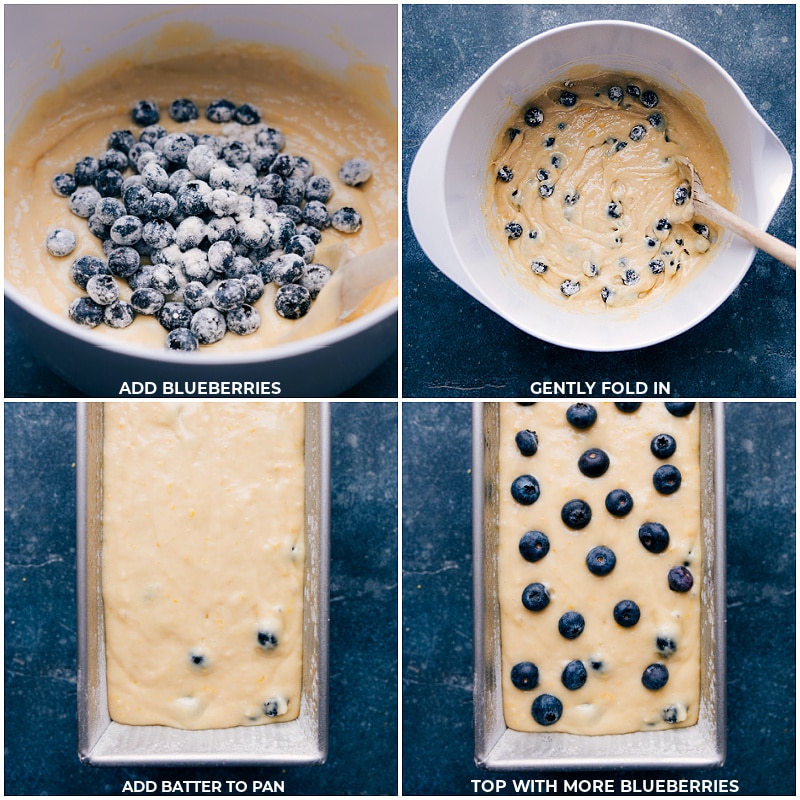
[(716, 213)]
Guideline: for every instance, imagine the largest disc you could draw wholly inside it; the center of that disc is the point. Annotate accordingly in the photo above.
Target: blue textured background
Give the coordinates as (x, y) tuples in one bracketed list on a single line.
[(437, 606), (455, 347), (40, 613)]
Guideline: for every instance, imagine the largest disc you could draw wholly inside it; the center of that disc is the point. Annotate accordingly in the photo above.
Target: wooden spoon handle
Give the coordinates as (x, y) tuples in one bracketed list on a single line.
[(761, 239)]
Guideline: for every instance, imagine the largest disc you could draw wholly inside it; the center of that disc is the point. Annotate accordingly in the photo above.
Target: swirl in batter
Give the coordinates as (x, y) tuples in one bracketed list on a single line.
[(590, 199)]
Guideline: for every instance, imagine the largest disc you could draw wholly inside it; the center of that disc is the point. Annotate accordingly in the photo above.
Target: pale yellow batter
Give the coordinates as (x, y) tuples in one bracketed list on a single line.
[(202, 562), (323, 118), (595, 195), (613, 698)]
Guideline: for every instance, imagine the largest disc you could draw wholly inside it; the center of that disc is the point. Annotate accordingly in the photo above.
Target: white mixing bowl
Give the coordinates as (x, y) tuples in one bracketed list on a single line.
[(44, 48), (447, 184)]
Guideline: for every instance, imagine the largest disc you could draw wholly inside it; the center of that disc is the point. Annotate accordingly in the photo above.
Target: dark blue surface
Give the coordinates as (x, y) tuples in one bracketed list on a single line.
[(438, 740), (40, 613), (455, 347)]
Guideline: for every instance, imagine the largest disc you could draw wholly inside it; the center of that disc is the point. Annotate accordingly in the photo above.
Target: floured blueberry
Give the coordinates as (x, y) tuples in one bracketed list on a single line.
[(355, 172), (228, 294), (103, 289), (247, 114), (83, 200), (346, 220), (86, 312), (119, 314), (292, 301), (243, 320), (147, 301), (174, 315), (314, 277), (64, 184), (60, 242), (183, 110), (208, 325), (84, 267), (145, 112), (181, 339)]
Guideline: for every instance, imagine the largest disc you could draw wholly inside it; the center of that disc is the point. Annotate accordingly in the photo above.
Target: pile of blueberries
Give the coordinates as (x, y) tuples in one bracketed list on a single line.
[(600, 560), (198, 224)]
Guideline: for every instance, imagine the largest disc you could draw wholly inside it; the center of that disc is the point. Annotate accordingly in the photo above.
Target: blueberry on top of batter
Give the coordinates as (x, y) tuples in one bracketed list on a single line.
[(64, 184), (525, 675), (535, 597), (539, 267), (247, 114), (656, 266), (86, 311), (663, 445), (649, 98), (346, 220), (655, 677), (513, 230), (680, 579), (145, 112), (534, 546), (571, 625), (84, 267), (667, 479), (594, 462), (628, 408), (182, 340), (615, 93), (574, 675), (525, 489), (292, 301), (654, 537), (505, 174), (183, 110), (626, 613), (576, 514), (581, 415), (637, 133), (568, 99), (679, 409), (619, 502), (681, 195), (633, 90), (243, 320), (546, 709), (174, 315), (208, 325), (601, 560), (527, 442), (665, 645)]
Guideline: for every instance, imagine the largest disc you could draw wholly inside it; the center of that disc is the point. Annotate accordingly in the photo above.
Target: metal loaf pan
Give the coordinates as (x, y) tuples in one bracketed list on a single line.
[(104, 742), (499, 748)]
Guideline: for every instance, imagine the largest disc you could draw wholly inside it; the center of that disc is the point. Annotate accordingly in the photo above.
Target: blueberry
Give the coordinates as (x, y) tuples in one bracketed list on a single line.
[(228, 295), (680, 409), (574, 675), (605, 293), (192, 198), (525, 490), (666, 645), (630, 277), (633, 90), (581, 415), (667, 479), (208, 325), (637, 133), (158, 233), (546, 709), (318, 188), (594, 462), (656, 266), (615, 93), (568, 99), (126, 230), (295, 214), (346, 220), (147, 301), (527, 442), (261, 158), (654, 537), (266, 639), (123, 261), (161, 205), (619, 502), (655, 677), (649, 241), (513, 230), (196, 296), (513, 133), (85, 171), (656, 120), (275, 707), (152, 133), (83, 201), (355, 172), (60, 242), (85, 267), (181, 339), (282, 230), (174, 315), (145, 113), (142, 278), (176, 147), (628, 408), (505, 174), (235, 153), (243, 320), (190, 233), (109, 209), (118, 314), (86, 312), (287, 269), (247, 114), (670, 714), (314, 277), (576, 514), (663, 225), (626, 613), (680, 579), (549, 141), (681, 195), (198, 659), (220, 111), (534, 546), (113, 159), (135, 199), (614, 210), (649, 99), (546, 190), (121, 140), (571, 625), (64, 184), (102, 289), (525, 676), (183, 110), (534, 117), (601, 560), (663, 445), (542, 175), (535, 597), (292, 301), (701, 229)]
